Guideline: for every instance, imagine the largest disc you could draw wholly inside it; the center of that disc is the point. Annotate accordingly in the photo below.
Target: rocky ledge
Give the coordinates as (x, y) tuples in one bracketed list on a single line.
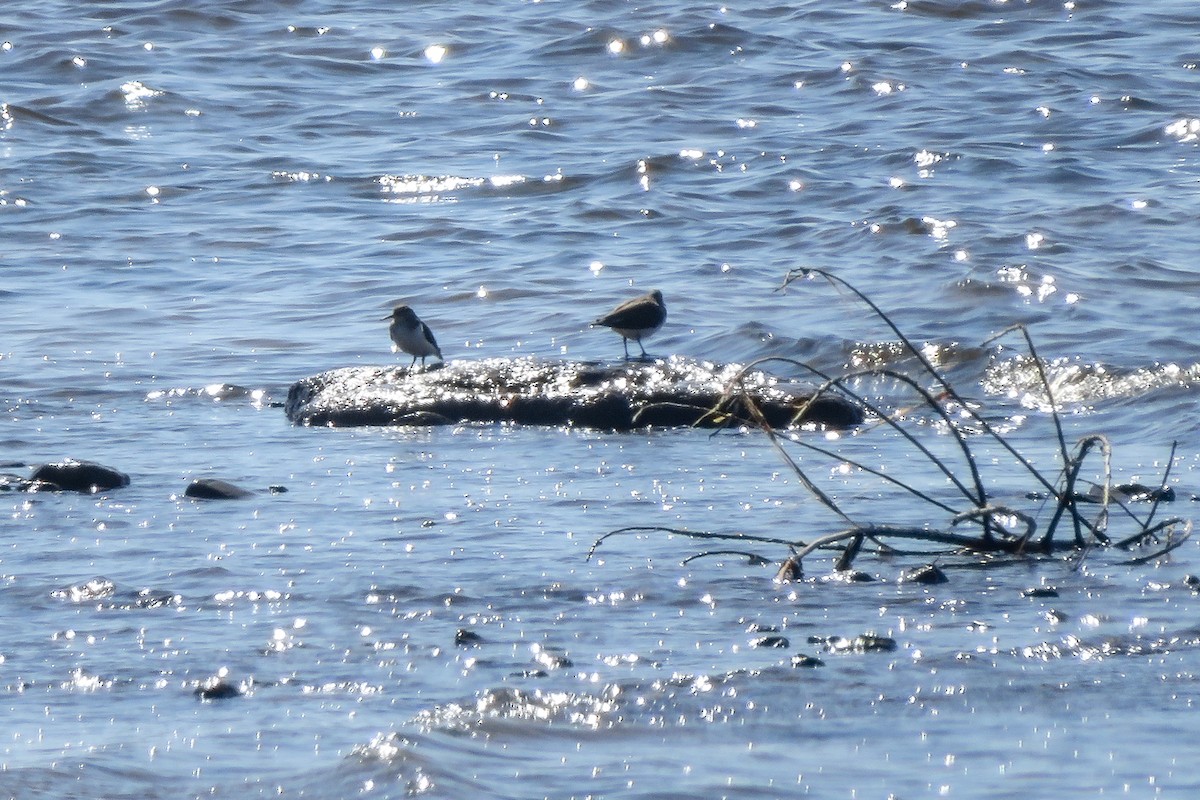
[(664, 393)]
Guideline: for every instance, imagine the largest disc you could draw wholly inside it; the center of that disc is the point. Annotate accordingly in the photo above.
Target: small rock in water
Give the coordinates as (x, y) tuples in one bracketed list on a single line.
[(215, 489), (866, 643), (870, 643), (530, 673), (849, 576), (930, 575), (466, 638), (808, 661), (217, 689), (771, 641), (1192, 582), (551, 657), (1133, 493), (85, 477), (1040, 591), (151, 598)]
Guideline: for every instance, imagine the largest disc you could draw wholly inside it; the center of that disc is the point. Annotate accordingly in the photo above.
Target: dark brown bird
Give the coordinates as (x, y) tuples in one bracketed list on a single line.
[(636, 319)]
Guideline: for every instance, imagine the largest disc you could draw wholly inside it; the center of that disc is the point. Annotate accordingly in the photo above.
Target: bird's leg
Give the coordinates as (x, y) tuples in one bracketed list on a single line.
[(639, 341), (625, 344)]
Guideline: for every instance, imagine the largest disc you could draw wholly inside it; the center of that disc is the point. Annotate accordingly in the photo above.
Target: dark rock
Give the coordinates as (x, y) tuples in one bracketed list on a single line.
[(870, 643), (807, 661), (217, 689), (849, 576), (551, 658), (930, 575), (673, 392), (1040, 591), (276, 488), (151, 598), (215, 489), (866, 643), (1192, 582), (1132, 493), (466, 638), (1120, 493), (86, 477), (771, 641)]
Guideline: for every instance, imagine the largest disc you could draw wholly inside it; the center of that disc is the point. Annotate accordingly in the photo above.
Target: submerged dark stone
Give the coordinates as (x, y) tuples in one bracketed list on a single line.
[(1040, 591), (807, 661), (467, 638), (870, 643), (215, 489), (1120, 493), (672, 392), (1133, 493), (217, 689), (86, 477), (552, 658), (771, 641), (849, 576), (152, 598), (864, 643), (929, 574)]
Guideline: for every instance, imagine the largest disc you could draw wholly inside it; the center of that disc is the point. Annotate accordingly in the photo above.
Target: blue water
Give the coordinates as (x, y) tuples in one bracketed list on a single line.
[(203, 203)]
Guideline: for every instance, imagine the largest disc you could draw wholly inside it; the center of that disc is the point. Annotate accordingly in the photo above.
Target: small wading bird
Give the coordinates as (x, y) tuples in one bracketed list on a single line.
[(412, 336), (636, 319)]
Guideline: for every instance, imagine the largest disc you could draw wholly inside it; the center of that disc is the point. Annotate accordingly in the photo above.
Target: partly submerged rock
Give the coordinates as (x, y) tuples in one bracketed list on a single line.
[(804, 660), (672, 392), (215, 489), (929, 574), (86, 477), (467, 638), (864, 643), (217, 688), (771, 641)]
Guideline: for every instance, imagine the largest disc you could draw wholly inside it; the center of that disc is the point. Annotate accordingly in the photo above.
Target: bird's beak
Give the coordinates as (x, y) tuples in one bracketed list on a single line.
[(385, 319)]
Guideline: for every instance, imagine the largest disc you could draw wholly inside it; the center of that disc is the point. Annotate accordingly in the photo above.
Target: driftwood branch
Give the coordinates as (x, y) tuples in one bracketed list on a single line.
[(967, 425)]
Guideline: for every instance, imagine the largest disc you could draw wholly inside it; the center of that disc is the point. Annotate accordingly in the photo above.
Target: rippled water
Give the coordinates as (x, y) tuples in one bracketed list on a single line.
[(202, 204)]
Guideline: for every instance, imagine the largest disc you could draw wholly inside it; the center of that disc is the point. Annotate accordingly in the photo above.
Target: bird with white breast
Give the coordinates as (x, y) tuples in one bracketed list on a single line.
[(411, 335)]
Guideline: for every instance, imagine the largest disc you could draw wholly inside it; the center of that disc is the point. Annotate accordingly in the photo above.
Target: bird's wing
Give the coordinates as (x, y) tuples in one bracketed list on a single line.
[(429, 336), (641, 312)]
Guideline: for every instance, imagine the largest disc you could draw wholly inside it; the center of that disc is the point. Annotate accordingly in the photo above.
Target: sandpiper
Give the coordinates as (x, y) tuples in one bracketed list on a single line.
[(412, 336), (636, 319)]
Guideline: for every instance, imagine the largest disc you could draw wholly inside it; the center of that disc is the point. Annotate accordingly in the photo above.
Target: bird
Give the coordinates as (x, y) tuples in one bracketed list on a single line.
[(636, 319), (412, 335)]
